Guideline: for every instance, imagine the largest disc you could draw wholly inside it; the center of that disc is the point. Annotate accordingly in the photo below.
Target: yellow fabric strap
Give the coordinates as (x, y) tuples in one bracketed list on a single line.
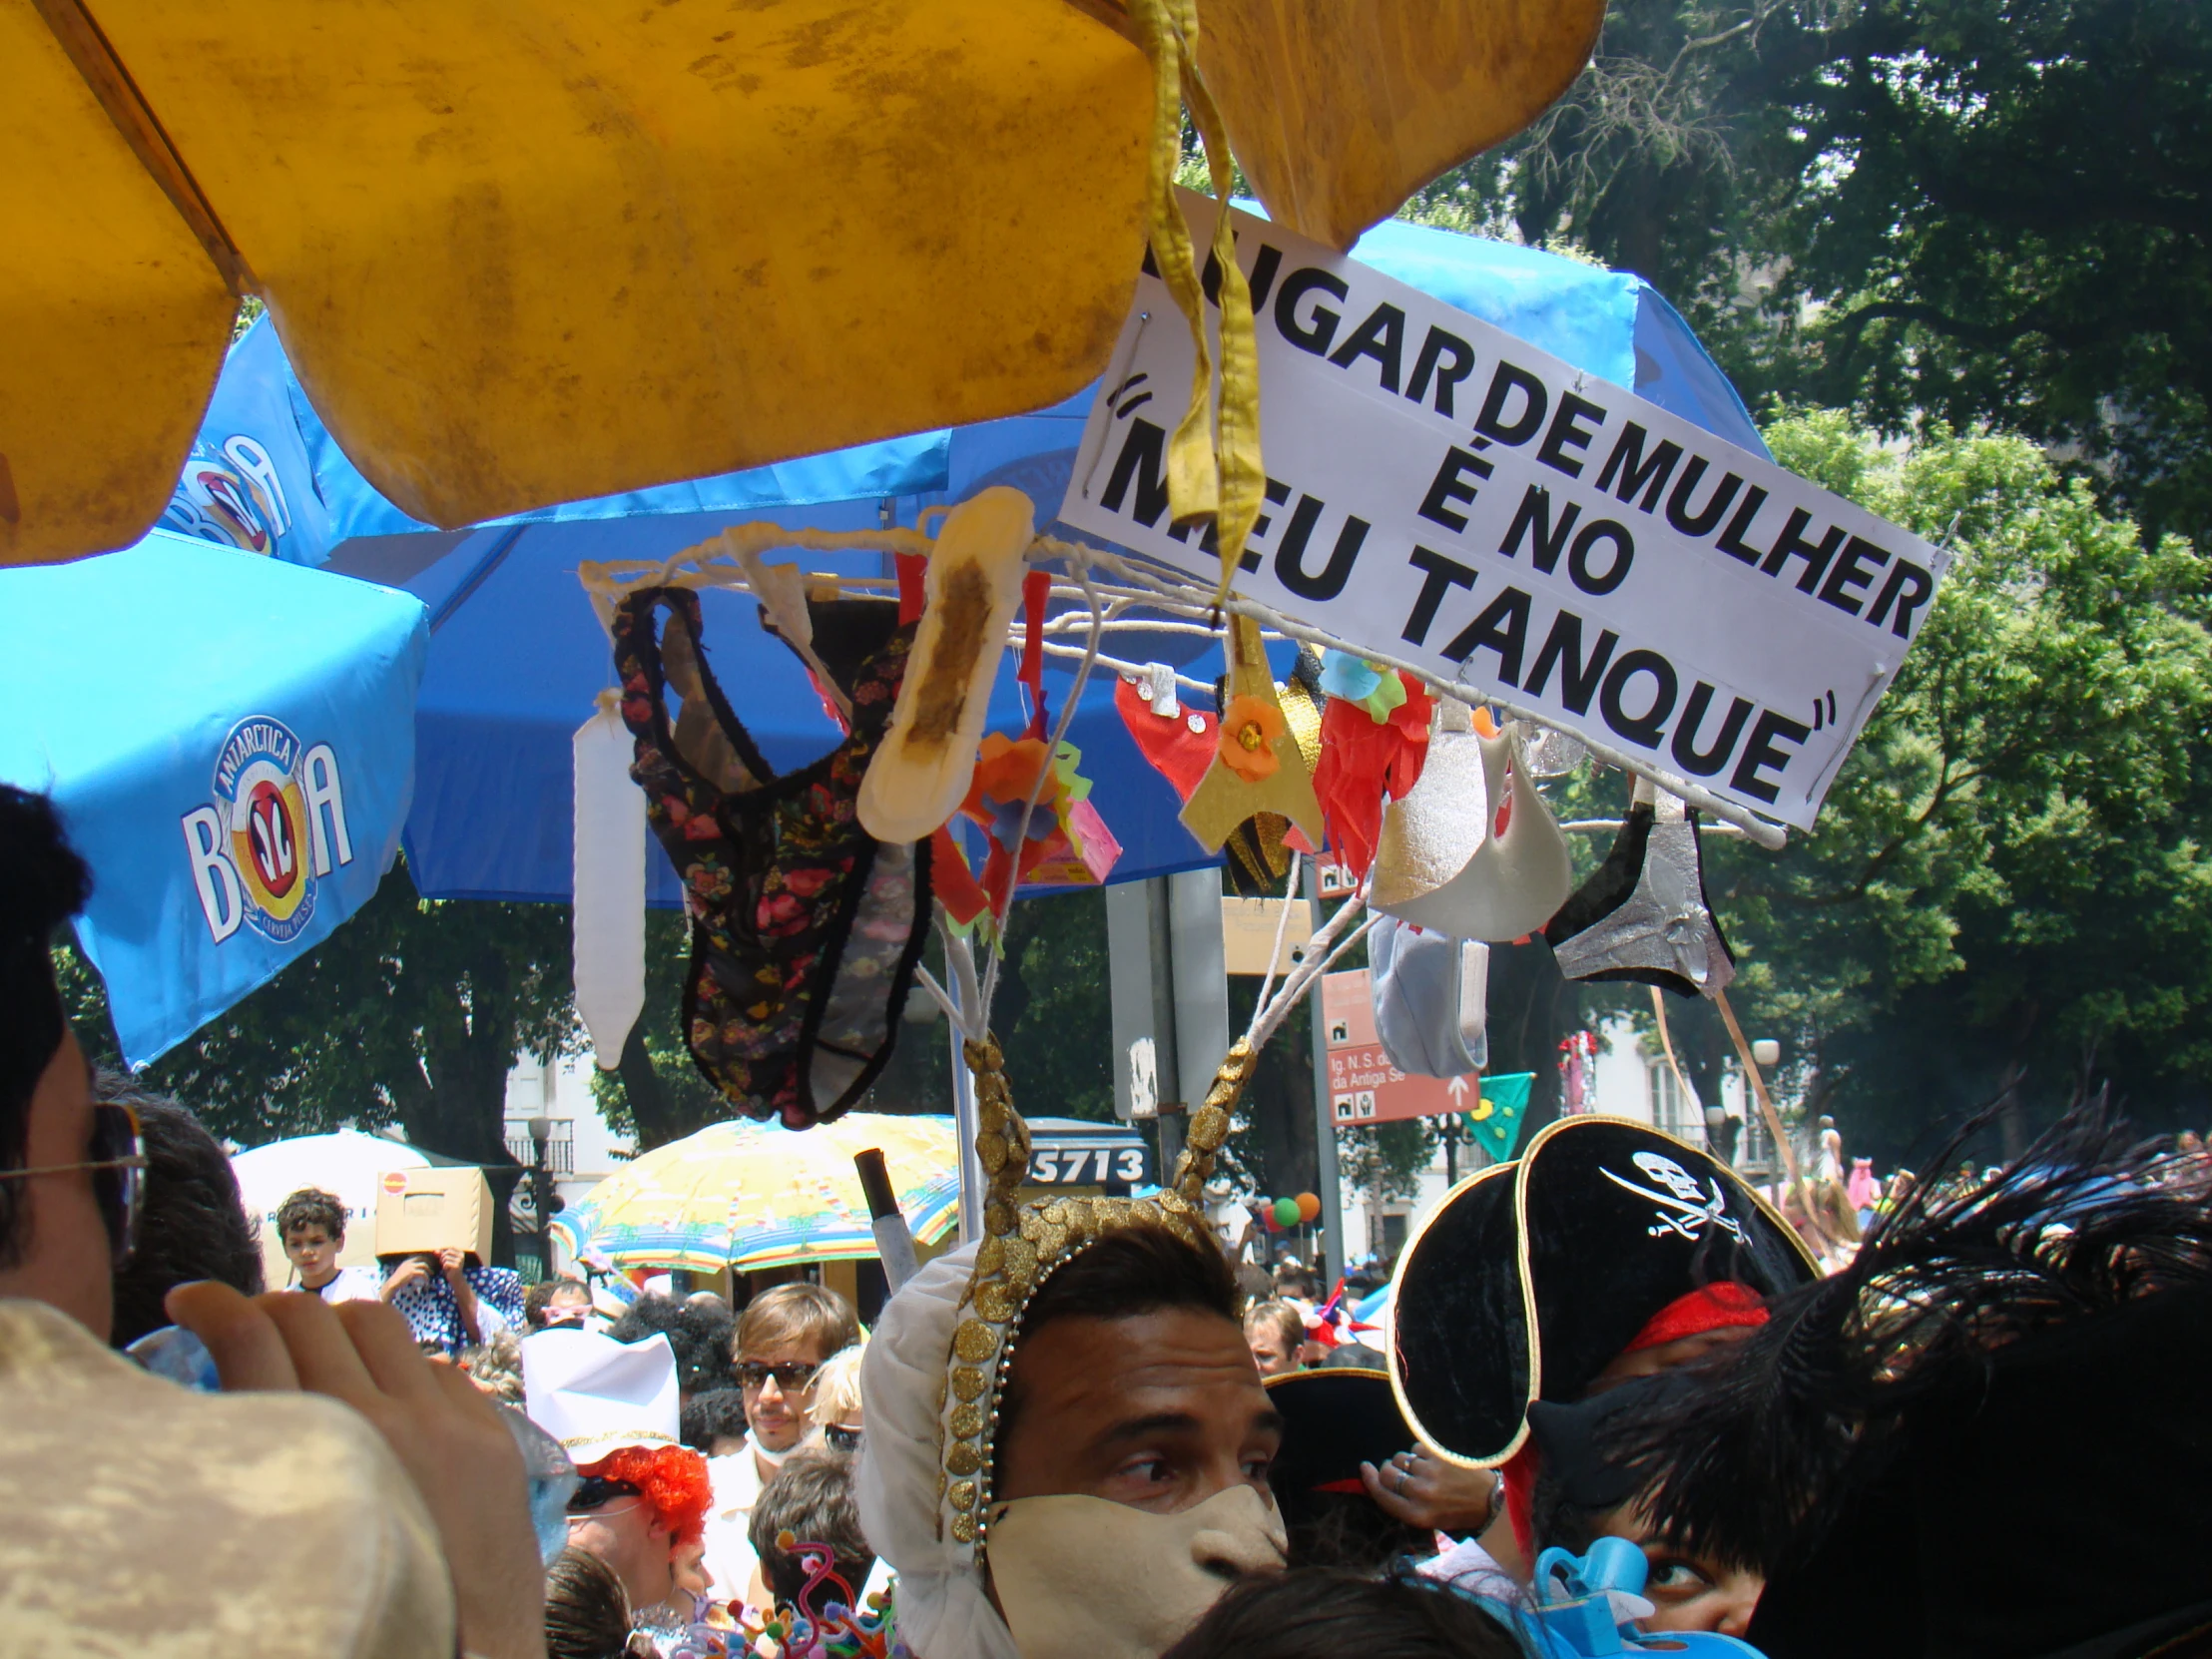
[(1243, 473), (1219, 478)]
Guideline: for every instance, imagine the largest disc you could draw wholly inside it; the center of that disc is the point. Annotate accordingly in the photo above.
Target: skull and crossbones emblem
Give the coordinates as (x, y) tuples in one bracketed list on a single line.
[(1684, 1209)]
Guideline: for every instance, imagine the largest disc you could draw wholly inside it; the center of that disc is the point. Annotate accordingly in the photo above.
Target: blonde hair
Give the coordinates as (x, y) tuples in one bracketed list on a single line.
[(837, 1388), (1286, 1321)]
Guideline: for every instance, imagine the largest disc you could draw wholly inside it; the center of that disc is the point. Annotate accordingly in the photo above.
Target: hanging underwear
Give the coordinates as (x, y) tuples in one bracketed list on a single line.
[(805, 928), (1432, 1000), (1643, 915)]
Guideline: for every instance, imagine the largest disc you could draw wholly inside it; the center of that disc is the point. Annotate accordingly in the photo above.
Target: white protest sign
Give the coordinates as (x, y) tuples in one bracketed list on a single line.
[(1443, 493)]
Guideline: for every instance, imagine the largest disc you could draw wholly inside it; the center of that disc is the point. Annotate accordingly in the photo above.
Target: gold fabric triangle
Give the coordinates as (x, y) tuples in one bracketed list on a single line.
[(1224, 798)]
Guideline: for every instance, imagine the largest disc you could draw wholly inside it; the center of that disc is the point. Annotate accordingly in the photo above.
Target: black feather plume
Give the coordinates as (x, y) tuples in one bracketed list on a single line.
[(1746, 1470)]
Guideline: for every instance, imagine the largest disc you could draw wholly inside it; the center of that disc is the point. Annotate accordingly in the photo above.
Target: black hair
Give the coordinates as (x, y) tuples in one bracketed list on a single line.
[(1317, 1613), (1949, 1291), (538, 1298), (586, 1614), (42, 884), (191, 1221), (1134, 1270), (1350, 1533), (1140, 1269), (718, 1413), (1298, 1282), (1556, 1521), (810, 1497), (311, 1207), (1352, 1357), (699, 1332)]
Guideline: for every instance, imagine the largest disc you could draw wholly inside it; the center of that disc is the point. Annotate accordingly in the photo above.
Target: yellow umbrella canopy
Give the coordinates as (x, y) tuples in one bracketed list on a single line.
[(530, 250), (750, 1195), (1338, 113)]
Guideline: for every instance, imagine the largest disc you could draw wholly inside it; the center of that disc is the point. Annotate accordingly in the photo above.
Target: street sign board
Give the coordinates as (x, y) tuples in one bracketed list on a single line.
[(1364, 1087)]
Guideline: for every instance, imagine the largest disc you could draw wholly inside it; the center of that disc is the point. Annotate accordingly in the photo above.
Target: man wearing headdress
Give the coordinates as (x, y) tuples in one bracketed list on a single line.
[(1128, 1477)]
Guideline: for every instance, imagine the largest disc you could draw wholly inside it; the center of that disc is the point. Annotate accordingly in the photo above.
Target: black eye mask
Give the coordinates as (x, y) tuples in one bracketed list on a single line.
[(805, 928)]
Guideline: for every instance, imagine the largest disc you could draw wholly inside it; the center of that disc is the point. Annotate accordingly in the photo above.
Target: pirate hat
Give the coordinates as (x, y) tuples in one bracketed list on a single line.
[(1332, 1421), (1532, 1277)]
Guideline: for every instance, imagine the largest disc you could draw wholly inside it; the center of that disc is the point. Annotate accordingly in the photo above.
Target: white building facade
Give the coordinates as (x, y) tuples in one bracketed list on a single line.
[(581, 1149)]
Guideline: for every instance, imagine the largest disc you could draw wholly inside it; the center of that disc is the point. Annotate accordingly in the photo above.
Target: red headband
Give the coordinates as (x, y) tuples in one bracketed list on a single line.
[(1717, 1307), (1720, 1307)]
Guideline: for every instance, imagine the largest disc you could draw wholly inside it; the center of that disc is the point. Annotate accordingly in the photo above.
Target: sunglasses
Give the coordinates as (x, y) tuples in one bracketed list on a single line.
[(790, 1376), (595, 1491), (844, 1438), (118, 1166)]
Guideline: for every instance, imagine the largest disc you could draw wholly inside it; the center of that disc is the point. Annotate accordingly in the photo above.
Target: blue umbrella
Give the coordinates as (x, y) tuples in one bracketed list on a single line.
[(231, 742), (516, 656)]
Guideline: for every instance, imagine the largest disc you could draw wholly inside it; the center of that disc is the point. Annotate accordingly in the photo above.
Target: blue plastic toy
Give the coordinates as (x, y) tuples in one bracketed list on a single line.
[(1587, 1607)]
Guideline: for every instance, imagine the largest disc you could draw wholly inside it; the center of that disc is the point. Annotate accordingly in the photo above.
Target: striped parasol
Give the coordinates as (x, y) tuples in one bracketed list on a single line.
[(749, 1195)]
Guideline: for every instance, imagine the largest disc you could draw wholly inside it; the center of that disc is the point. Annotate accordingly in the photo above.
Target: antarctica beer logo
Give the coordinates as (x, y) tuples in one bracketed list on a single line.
[(230, 494), (275, 828)]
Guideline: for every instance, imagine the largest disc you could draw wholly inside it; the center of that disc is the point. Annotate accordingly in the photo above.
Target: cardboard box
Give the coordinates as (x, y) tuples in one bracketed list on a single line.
[(434, 1208)]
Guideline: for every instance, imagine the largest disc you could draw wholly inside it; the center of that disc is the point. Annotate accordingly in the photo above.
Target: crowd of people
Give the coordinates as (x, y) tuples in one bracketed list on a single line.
[(1615, 1403)]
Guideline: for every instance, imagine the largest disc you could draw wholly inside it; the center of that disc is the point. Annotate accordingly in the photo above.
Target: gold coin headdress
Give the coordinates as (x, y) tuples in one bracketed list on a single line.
[(1023, 1243)]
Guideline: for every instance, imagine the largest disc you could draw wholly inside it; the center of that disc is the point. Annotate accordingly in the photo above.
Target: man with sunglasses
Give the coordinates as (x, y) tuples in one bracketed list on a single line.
[(272, 1524), (783, 1337)]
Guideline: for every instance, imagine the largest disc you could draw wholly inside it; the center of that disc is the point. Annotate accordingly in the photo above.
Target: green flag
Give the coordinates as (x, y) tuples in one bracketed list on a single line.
[(1494, 1120)]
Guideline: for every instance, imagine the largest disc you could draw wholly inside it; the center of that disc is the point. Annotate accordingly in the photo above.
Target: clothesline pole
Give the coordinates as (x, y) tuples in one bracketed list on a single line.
[(1335, 1258), (963, 1123), (1781, 1147)]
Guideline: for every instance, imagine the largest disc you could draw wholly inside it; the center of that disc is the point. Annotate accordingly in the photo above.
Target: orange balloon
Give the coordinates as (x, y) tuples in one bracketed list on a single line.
[(1309, 1207)]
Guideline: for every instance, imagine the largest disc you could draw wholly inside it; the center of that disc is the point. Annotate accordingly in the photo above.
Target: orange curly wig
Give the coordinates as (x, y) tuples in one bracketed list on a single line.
[(673, 1478)]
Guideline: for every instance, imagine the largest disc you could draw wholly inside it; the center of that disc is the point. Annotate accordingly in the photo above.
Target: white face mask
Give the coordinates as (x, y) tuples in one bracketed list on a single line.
[(1082, 1577)]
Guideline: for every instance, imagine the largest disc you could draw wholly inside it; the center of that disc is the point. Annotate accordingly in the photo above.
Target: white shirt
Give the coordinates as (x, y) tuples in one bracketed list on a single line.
[(1471, 1570), (737, 1487), (351, 1285)]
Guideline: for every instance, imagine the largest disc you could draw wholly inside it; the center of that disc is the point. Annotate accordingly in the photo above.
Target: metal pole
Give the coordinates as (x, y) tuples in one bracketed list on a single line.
[(541, 1192), (1452, 1150), (1325, 1117), (963, 1129)]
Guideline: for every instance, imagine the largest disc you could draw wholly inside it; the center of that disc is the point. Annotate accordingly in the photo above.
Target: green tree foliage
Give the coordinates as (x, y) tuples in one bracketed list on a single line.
[(1385, 1160), (1931, 211), (411, 1013), (2009, 890), (1054, 1009), (656, 1094)]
